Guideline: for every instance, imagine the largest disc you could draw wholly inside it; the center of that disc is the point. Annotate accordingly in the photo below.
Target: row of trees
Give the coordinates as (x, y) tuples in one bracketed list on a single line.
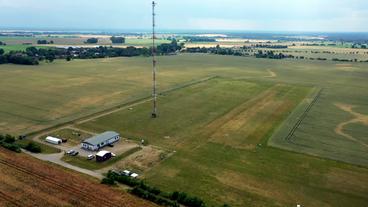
[(199, 39), (44, 42), (143, 190), (271, 55), (246, 51), (2, 43), (114, 40), (91, 41), (8, 142), (117, 40), (18, 58), (33, 55), (270, 46)]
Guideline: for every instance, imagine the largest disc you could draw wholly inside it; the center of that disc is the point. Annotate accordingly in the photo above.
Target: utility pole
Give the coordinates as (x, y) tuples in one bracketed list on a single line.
[(154, 92)]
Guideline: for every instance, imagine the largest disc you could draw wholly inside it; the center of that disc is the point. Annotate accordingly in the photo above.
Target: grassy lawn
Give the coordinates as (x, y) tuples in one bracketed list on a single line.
[(45, 149), (74, 137), (92, 164)]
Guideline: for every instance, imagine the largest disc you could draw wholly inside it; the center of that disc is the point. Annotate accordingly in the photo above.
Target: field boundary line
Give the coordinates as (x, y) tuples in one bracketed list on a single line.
[(302, 117), (278, 138), (118, 107)]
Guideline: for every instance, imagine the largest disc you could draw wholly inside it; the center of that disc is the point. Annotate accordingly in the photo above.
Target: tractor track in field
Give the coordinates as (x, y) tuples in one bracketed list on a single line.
[(9, 199), (55, 183), (288, 138), (271, 74), (358, 118)]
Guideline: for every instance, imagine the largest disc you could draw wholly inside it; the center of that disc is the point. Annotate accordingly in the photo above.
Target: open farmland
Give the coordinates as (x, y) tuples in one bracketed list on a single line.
[(76, 40), (26, 181), (36, 97), (219, 128)]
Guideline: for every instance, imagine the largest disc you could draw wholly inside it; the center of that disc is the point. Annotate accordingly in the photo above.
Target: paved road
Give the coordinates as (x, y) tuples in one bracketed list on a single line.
[(56, 158)]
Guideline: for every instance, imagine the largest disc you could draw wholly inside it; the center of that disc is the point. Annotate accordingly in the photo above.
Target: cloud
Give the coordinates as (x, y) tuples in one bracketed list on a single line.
[(302, 15), (222, 24)]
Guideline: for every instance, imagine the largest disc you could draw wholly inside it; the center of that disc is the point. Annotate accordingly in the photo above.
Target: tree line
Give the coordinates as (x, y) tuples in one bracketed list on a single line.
[(11, 143), (45, 42), (270, 46), (33, 55), (199, 39), (114, 40), (249, 51), (154, 194), (8, 142)]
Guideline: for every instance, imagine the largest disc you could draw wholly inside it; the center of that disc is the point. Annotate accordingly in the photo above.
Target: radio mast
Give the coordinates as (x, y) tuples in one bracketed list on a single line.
[(154, 92)]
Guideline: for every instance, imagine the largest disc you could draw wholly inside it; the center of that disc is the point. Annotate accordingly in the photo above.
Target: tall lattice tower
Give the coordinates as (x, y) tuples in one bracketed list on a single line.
[(154, 62)]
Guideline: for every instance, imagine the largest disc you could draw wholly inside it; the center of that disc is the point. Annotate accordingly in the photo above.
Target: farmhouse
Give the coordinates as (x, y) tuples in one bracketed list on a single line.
[(100, 140)]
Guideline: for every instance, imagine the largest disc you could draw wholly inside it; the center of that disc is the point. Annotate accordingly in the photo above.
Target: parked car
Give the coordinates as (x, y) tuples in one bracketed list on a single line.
[(90, 157), (125, 172), (134, 175), (72, 153)]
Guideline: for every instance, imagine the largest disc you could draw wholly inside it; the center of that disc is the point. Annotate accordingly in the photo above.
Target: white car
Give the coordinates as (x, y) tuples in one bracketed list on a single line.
[(134, 175), (90, 157)]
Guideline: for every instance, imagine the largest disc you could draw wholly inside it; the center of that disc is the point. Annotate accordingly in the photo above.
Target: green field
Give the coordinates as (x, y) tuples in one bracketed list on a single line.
[(221, 128), (40, 96), (8, 48)]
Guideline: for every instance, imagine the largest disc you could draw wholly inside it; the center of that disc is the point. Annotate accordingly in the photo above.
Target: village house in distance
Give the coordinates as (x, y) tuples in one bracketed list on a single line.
[(96, 142)]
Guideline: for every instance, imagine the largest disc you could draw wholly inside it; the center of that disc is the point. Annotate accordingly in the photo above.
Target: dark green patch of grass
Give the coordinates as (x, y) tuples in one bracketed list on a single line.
[(45, 149)]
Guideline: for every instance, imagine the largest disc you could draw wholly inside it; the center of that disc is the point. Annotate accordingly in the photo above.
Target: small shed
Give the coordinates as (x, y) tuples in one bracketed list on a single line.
[(53, 140), (102, 156)]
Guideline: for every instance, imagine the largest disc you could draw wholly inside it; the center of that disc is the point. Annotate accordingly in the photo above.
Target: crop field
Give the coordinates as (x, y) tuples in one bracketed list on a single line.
[(219, 130), (226, 132), (26, 181), (36, 97)]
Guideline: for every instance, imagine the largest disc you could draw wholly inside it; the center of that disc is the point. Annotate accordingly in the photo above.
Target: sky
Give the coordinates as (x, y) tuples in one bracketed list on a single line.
[(242, 15)]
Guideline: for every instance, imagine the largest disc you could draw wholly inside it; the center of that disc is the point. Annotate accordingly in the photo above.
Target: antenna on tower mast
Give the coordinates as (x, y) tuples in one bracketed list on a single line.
[(154, 93)]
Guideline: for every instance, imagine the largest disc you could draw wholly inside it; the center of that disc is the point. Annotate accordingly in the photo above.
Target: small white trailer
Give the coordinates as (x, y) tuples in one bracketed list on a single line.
[(53, 140)]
